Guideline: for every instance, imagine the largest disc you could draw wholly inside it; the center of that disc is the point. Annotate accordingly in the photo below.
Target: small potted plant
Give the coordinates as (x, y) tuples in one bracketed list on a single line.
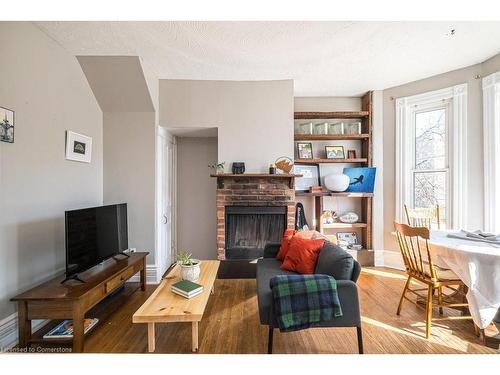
[(217, 167), (190, 268)]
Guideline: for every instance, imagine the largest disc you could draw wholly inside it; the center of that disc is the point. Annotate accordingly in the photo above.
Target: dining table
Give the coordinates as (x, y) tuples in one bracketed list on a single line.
[(477, 264)]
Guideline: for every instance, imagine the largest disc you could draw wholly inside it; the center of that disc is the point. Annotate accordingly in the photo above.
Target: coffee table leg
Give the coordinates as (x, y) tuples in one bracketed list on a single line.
[(195, 336), (151, 337)]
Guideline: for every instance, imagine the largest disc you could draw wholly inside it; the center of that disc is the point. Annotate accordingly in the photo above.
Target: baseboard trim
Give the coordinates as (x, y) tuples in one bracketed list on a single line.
[(9, 331), (389, 259), (152, 276)]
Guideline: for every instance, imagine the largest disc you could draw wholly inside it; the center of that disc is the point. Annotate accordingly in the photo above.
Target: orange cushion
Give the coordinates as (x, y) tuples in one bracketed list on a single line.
[(285, 241), (289, 233), (302, 255)]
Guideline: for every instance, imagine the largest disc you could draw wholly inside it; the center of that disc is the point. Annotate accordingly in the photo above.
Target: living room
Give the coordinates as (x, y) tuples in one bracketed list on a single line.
[(233, 186)]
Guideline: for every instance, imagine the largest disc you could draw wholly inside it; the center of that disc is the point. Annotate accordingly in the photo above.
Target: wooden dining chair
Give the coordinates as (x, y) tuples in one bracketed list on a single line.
[(423, 216), (417, 257)]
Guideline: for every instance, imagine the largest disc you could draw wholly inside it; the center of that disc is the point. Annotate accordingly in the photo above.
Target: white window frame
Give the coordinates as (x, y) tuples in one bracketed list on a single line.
[(454, 99), (491, 131)]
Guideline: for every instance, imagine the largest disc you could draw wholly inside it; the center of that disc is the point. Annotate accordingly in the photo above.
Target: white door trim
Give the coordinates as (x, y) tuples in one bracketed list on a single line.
[(491, 134), (160, 259)]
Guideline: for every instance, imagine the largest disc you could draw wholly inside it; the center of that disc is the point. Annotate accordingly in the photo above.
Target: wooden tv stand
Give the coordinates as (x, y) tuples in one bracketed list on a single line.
[(71, 300)]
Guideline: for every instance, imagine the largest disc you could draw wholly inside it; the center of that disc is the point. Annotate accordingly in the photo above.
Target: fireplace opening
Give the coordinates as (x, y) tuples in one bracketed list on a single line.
[(249, 229)]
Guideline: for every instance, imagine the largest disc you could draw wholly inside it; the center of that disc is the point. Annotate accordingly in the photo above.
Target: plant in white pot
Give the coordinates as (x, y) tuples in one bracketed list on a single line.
[(190, 268)]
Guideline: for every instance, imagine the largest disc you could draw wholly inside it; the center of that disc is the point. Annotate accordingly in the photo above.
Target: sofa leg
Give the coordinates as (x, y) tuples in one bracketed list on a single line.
[(270, 341), (360, 340)]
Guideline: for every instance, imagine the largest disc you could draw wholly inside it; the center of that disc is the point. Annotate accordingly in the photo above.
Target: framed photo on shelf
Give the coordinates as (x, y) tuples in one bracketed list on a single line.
[(334, 152), (347, 238), (304, 150), (361, 179), (310, 176)]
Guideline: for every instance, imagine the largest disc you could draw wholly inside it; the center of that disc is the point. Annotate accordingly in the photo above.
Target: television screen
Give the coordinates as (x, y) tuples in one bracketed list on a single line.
[(93, 235)]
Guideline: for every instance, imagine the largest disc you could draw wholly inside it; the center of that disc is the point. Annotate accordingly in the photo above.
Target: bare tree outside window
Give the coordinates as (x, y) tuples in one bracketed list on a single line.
[(431, 161)]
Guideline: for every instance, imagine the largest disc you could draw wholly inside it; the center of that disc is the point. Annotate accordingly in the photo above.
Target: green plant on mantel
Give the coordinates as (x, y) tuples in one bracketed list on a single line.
[(185, 259), (217, 167)]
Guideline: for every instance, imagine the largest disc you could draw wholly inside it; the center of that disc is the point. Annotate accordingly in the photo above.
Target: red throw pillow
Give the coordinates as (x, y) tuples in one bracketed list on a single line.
[(302, 255), (285, 242)]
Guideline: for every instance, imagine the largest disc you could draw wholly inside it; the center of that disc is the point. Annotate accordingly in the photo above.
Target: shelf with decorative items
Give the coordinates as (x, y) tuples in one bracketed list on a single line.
[(334, 194), (320, 139), (342, 225), (331, 161), (330, 137)]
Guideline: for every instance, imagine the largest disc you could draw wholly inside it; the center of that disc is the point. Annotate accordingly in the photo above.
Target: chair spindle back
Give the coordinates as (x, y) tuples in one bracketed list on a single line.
[(423, 216), (414, 246)]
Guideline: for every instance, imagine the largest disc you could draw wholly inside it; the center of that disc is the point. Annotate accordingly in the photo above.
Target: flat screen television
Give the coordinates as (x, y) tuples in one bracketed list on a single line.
[(94, 235)]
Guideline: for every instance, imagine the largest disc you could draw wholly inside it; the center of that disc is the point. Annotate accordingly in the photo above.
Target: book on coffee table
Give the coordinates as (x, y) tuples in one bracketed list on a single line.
[(186, 288)]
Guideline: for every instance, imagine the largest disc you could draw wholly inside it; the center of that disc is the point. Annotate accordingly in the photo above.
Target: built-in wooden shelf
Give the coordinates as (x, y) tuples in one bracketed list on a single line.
[(332, 194), (331, 115), (330, 161), (365, 153), (281, 175), (330, 137), (343, 225)]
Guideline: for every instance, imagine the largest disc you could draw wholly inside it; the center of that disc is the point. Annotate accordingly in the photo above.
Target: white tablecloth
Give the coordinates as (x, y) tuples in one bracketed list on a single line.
[(477, 264)]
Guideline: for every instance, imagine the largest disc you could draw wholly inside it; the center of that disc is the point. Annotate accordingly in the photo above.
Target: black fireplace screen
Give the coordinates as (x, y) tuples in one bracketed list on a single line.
[(248, 229)]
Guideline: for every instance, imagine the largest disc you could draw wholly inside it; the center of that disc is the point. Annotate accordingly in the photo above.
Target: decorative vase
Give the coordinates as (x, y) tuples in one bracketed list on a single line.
[(337, 182), (192, 272), (238, 167)]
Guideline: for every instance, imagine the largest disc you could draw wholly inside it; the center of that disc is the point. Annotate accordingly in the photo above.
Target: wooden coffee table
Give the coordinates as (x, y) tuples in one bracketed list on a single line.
[(164, 306)]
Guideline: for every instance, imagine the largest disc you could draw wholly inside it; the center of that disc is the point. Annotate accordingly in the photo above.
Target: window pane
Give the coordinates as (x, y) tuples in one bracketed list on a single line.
[(430, 139), (430, 190)]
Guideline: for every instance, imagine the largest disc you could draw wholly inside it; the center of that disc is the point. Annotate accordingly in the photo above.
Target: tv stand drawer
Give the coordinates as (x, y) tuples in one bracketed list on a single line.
[(119, 279)]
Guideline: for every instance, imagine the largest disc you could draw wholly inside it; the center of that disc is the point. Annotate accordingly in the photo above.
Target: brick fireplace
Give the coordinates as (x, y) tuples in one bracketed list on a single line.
[(260, 195)]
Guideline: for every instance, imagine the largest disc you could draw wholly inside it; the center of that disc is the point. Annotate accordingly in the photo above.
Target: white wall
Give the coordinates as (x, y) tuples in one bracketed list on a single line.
[(129, 173), (46, 88), (470, 75), (196, 220), (120, 86), (255, 119)]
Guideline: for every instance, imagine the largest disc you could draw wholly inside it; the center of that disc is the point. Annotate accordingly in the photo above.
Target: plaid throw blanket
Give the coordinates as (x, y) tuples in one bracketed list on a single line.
[(302, 301)]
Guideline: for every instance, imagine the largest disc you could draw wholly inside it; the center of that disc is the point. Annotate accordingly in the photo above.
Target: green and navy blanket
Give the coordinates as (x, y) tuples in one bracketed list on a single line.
[(303, 301)]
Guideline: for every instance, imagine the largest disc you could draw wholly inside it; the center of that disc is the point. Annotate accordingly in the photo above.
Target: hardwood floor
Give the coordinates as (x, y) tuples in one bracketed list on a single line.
[(231, 325)]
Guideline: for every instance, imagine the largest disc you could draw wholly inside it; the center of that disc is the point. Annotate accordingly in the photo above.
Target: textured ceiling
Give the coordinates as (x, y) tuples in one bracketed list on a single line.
[(323, 58)]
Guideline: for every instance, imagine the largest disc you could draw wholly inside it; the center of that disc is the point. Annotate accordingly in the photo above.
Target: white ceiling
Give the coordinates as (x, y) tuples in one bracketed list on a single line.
[(323, 58)]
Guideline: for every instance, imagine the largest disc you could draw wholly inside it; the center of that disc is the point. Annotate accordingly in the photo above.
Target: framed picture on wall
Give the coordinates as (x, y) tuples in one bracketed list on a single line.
[(78, 147), (6, 125), (310, 176)]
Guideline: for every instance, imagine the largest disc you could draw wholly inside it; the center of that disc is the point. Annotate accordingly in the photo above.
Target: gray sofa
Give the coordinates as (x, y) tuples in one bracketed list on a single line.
[(332, 261)]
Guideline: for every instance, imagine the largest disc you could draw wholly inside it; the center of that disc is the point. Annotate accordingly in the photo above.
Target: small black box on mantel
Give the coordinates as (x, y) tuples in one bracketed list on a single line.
[(238, 167)]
